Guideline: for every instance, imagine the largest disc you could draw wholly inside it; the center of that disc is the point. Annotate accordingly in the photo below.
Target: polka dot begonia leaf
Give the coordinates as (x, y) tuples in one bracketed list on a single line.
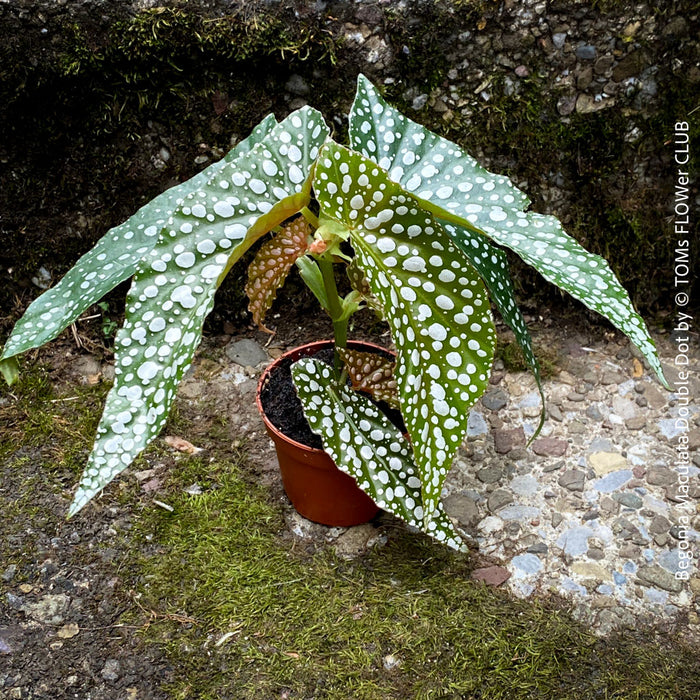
[(114, 259), (272, 263), (371, 373), (366, 445), (457, 190), (173, 288), (433, 299)]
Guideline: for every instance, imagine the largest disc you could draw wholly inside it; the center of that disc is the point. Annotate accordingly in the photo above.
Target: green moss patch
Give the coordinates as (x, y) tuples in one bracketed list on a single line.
[(242, 611)]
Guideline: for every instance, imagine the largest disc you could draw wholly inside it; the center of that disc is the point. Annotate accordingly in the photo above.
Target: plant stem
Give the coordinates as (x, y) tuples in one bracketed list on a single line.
[(335, 309), (310, 216)]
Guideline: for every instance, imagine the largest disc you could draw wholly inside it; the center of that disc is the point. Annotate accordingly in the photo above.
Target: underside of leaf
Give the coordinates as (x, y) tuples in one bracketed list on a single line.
[(372, 373), (271, 266)]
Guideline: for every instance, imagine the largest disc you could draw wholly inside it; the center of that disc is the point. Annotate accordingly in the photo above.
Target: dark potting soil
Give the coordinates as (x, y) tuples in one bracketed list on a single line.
[(283, 408)]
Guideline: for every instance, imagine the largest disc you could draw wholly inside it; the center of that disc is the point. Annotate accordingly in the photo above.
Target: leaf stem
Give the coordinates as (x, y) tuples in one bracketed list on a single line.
[(335, 309)]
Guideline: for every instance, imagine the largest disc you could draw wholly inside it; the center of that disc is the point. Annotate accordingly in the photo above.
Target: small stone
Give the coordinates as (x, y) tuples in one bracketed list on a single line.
[(574, 541), (528, 564), (659, 525), (506, 440), (489, 475), (603, 64), (628, 499), (596, 553), (593, 412), (525, 485), (476, 425), (654, 575), (495, 399), (630, 65), (110, 671), (538, 548), (490, 524), (522, 71), (550, 447), (297, 85), (660, 476), (554, 412), (557, 519), (612, 481), (586, 52), (491, 575), (499, 499), (553, 466), (463, 508), (559, 39), (68, 631), (519, 513), (49, 609), (246, 353), (573, 480), (636, 423), (419, 102), (9, 573), (594, 571)]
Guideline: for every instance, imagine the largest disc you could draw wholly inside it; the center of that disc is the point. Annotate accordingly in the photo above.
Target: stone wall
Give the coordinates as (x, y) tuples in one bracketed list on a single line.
[(105, 104)]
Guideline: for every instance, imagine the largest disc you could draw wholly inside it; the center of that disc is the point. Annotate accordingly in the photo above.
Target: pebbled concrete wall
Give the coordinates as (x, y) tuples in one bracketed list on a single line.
[(103, 104)]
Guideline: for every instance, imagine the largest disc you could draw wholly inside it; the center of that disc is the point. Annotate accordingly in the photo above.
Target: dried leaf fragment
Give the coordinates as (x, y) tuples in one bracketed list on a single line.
[(373, 374), (181, 445), (271, 266)]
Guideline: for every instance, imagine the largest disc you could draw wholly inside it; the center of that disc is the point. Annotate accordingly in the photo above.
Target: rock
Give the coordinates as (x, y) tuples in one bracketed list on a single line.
[(390, 662), (636, 423), (559, 39), (419, 102), (574, 541), (603, 64), (586, 52), (491, 575), (463, 508), (676, 27), (110, 671), (297, 86), (631, 64), (499, 499), (525, 485), (585, 104), (495, 399), (594, 571), (506, 440), (584, 78), (490, 524), (573, 480), (519, 513), (660, 476), (628, 499), (49, 609), (654, 575), (476, 425), (489, 475), (550, 447), (246, 353), (659, 525), (526, 564), (613, 481), (606, 462), (9, 573), (355, 541)]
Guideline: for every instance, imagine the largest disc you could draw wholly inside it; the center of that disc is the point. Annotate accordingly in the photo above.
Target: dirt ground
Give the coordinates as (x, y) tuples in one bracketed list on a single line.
[(72, 620)]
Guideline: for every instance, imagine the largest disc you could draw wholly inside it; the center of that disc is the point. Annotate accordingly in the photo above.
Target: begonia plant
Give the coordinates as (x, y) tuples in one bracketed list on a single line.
[(418, 226)]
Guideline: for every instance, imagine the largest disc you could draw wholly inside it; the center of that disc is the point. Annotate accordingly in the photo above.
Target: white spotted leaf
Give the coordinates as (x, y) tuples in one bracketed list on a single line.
[(113, 259), (433, 299), (366, 445), (173, 288), (456, 189)]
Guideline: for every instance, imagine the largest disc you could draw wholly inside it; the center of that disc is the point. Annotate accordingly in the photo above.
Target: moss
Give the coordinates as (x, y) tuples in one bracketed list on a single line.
[(240, 613)]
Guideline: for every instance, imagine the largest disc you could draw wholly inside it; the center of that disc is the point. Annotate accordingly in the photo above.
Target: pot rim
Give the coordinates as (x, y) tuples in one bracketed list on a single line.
[(302, 350)]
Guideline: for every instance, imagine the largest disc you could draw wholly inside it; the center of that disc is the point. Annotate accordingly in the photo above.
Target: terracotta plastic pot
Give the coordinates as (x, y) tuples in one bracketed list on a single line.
[(317, 489)]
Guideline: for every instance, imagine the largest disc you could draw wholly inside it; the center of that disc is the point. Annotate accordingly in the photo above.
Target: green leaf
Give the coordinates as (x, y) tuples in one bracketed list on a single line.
[(311, 274), (114, 259), (173, 289), (366, 445), (10, 370), (456, 189), (433, 300)]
